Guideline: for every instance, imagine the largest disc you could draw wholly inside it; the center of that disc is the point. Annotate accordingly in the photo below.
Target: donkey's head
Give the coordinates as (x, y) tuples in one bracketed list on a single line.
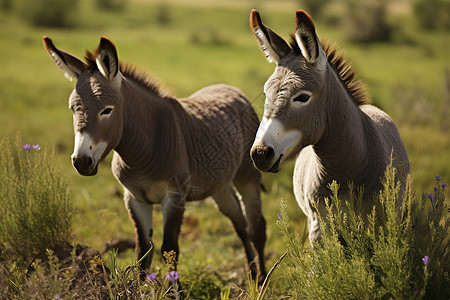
[(294, 114), (96, 102)]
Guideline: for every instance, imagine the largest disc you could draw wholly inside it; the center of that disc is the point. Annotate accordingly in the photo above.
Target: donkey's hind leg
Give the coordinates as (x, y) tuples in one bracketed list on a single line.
[(230, 206), (250, 192)]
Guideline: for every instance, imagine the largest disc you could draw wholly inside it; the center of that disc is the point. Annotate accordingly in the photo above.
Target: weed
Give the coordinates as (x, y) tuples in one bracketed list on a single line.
[(388, 254), (35, 205)]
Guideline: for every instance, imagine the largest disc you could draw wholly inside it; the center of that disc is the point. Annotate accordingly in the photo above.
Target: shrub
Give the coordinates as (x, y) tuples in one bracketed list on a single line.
[(433, 14), (314, 7), (52, 13), (117, 5), (399, 251), (366, 21), (35, 207)]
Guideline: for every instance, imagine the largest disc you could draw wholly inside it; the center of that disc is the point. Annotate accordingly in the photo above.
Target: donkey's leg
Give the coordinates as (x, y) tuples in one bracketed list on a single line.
[(142, 216), (230, 206), (250, 192), (173, 210)]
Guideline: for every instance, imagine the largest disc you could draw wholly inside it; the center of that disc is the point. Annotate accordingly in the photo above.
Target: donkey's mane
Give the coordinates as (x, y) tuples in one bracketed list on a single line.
[(133, 72), (343, 67)]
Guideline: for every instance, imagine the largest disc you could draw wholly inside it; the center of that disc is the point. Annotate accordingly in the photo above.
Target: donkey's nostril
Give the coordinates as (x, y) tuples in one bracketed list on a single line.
[(269, 154), (84, 165), (262, 157)]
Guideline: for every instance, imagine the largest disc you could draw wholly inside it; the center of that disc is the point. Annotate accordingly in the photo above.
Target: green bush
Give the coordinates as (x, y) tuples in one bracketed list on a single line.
[(433, 14), (52, 13), (367, 22), (112, 4), (399, 251), (35, 207), (314, 7)]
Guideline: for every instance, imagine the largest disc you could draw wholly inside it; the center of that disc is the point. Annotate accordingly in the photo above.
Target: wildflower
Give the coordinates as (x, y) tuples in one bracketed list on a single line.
[(425, 260), (444, 185), (431, 196), (438, 178), (37, 147), (27, 147), (172, 276), (280, 215), (151, 277)]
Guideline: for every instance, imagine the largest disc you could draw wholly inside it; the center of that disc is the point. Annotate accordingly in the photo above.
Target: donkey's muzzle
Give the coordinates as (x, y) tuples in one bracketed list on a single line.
[(85, 165), (264, 159)]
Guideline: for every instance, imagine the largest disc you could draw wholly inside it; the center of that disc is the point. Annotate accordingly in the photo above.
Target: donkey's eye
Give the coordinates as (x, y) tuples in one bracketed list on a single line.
[(106, 111), (302, 98)]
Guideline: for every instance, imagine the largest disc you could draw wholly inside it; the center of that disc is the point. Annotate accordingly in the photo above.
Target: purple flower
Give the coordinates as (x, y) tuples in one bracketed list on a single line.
[(27, 147), (444, 185), (151, 277), (37, 147), (425, 260), (438, 178), (280, 215), (172, 276), (431, 196)]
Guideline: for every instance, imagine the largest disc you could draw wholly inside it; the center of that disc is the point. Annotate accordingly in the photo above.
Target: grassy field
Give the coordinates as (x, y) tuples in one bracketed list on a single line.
[(188, 45)]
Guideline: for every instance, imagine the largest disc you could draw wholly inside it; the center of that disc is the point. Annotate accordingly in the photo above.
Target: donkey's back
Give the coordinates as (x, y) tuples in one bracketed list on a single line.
[(385, 144), (219, 133), (390, 140)]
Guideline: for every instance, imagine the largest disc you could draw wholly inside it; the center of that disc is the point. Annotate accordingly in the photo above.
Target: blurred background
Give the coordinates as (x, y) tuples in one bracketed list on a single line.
[(399, 47)]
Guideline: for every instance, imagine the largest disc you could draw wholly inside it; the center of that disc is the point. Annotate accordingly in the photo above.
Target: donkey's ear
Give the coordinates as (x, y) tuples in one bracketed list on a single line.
[(273, 46), (107, 61), (308, 42), (70, 65)]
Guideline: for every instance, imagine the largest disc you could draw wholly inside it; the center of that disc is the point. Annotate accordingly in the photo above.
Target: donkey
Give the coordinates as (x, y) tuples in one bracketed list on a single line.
[(318, 111), (166, 150)]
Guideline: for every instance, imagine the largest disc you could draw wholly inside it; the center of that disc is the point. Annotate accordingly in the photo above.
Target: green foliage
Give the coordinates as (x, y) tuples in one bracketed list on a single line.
[(366, 21), (314, 7), (35, 205), (433, 14), (40, 110), (202, 285), (375, 257), (52, 13), (45, 279), (127, 282), (112, 4)]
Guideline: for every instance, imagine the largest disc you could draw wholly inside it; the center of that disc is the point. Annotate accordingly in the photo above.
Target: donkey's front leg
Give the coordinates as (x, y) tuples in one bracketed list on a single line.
[(173, 210), (141, 213)]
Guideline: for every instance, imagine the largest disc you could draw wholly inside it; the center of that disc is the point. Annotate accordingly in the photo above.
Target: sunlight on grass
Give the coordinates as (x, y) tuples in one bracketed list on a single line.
[(198, 44)]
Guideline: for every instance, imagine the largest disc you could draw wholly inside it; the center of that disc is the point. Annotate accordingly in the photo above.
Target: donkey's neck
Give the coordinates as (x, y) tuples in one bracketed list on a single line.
[(343, 148), (149, 131)]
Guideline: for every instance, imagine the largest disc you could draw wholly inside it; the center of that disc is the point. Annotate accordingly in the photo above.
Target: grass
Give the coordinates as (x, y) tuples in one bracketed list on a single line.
[(204, 44)]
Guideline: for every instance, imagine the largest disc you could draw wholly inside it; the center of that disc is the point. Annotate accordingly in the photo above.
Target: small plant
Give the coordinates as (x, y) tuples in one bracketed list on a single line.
[(35, 204), (398, 251)]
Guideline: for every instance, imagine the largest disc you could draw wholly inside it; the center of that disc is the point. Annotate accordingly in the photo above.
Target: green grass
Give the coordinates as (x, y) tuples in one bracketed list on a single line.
[(204, 44)]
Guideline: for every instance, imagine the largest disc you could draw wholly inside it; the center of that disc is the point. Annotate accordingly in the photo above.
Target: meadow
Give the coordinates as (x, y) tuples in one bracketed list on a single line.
[(188, 45)]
